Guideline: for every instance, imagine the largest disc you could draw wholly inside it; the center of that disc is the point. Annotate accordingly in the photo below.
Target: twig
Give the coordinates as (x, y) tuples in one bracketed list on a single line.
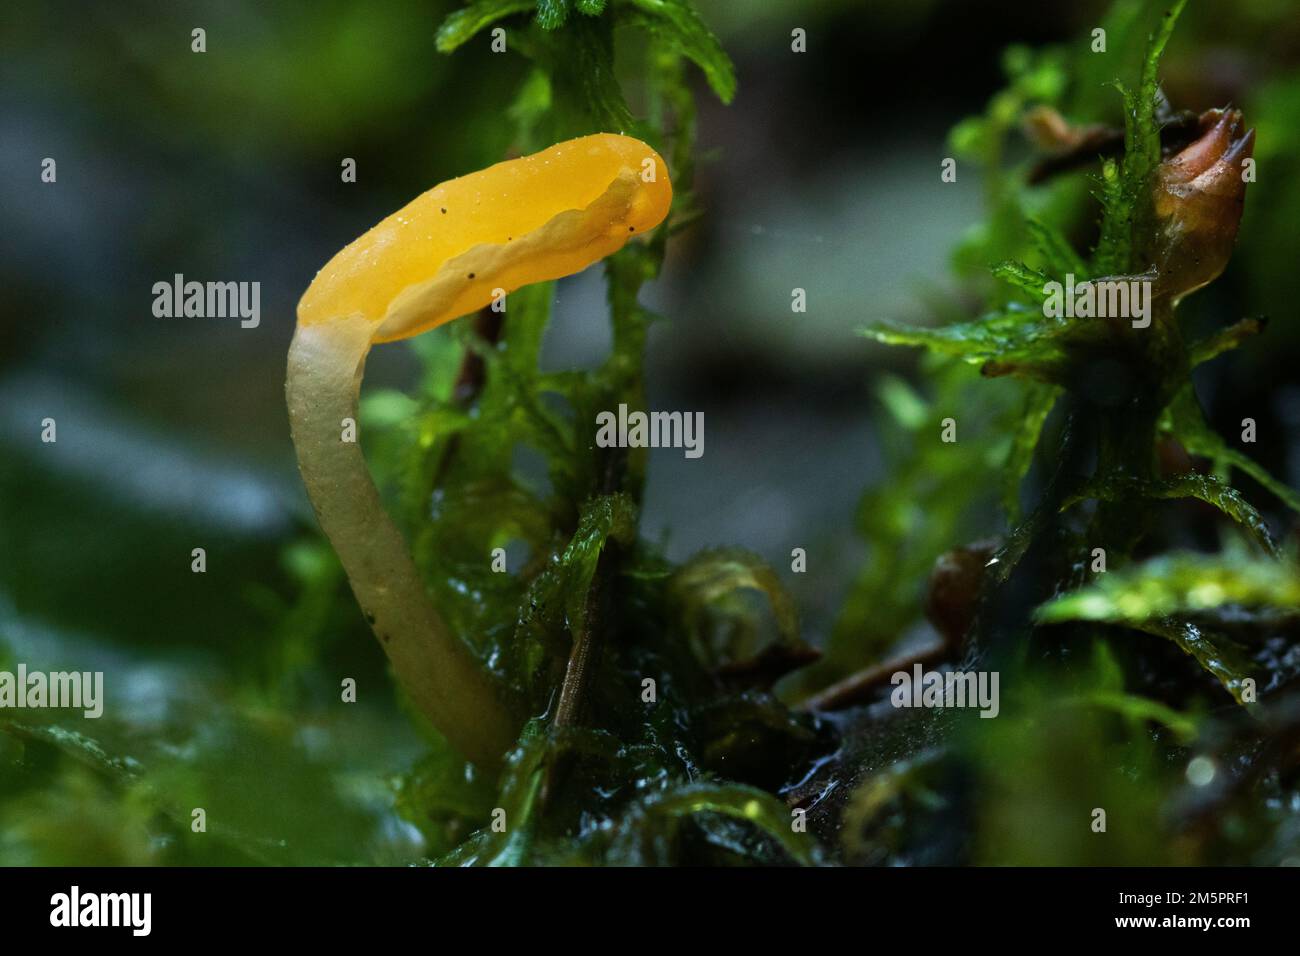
[(860, 687), (588, 641)]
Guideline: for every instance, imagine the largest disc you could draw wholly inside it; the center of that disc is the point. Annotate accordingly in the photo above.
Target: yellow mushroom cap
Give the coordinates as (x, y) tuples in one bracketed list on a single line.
[(524, 220)]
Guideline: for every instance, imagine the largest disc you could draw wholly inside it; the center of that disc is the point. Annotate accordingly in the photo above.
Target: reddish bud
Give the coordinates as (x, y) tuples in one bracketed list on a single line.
[(1200, 193)]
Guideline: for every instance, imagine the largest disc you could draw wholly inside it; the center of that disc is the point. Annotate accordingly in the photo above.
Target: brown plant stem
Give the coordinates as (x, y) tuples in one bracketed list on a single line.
[(860, 687)]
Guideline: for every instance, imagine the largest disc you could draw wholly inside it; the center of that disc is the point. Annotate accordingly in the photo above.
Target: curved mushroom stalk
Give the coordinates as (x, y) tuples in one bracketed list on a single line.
[(437, 671), (448, 253)]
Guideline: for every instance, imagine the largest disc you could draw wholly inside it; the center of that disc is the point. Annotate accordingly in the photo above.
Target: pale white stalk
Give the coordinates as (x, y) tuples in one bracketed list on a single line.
[(437, 670)]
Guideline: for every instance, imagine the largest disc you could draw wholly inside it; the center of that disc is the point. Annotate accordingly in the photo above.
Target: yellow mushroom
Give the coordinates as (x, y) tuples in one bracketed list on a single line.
[(442, 256)]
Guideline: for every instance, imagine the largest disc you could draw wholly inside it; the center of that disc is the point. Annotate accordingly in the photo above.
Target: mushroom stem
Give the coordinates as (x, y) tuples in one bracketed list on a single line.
[(436, 669), (449, 252)]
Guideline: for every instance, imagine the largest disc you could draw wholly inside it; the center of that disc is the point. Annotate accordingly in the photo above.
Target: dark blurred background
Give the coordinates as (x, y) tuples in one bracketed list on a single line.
[(823, 174)]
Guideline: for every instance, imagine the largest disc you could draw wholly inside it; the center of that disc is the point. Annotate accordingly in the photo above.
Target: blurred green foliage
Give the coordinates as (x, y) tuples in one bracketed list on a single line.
[(1122, 683), (1093, 716)]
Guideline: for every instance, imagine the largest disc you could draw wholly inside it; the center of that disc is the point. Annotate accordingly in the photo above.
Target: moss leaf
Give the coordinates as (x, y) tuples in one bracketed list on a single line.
[(1186, 422), (1180, 583), (462, 25), (676, 23)]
